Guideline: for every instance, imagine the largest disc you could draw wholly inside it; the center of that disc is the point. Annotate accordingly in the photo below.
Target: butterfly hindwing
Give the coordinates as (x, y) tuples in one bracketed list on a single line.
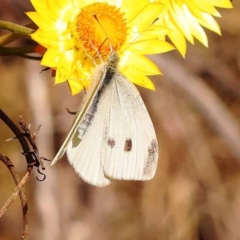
[(129, 148)]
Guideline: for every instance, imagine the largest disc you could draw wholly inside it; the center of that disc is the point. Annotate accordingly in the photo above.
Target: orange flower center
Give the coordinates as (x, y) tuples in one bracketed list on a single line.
[(100, 28)]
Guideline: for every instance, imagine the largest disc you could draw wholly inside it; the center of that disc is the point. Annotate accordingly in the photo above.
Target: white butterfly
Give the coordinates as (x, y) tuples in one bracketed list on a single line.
[(112, 136)]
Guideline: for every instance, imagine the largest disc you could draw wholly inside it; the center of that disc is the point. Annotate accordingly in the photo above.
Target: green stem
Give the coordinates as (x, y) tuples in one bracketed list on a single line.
[(9, 37), (15, 28)]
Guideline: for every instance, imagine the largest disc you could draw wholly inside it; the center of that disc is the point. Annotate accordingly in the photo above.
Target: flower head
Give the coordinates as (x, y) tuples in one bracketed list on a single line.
[(186, 18), (77, 33)]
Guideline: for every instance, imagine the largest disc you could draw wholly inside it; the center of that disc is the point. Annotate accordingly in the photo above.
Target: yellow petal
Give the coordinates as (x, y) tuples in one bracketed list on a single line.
[(210, 23), (75, 86), (65, 66), (141, 80), (67, 61), (61, 76), (198, 7), (51, 39), (195, 27), (180, 21), (40, 21), (50, 58), (219, 3), (53, 7), (39, 5), (157, 30), (133, 9), (151, 47), (179, 41), (148, 14), (150, 33), (63, 4), (144, 64)]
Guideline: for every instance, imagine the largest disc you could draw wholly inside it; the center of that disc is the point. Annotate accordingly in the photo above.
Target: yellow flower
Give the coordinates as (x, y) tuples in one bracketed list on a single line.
[(186, 18), (76, 32)]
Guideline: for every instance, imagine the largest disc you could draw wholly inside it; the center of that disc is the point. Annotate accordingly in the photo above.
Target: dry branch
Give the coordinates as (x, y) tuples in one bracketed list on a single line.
[(18, 190), (33, 160)]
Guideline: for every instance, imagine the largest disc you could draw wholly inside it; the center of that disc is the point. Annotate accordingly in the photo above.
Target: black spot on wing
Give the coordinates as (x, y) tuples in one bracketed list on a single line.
[(111, 142), (150, 162), (128, 145)]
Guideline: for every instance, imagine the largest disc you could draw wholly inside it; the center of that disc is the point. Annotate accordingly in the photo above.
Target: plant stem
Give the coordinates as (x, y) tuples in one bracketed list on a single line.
[(15, 28), (7, 51)]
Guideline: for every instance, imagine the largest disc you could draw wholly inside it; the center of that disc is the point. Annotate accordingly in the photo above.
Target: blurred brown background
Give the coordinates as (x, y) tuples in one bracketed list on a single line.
[(195, 194)]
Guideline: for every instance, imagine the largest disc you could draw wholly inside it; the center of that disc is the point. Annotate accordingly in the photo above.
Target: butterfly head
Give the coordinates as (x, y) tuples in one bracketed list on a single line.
[(113, 60)]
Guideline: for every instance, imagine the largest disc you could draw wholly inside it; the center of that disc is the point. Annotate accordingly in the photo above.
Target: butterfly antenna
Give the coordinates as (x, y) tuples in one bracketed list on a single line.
[(87, 54), (107, 38), (140, 34), (97, 51)]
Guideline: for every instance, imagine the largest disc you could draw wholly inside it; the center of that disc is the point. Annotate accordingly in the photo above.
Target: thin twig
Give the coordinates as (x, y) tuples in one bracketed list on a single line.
[(33, 160), (31, 138), (14, 194), (19, 135), (16, 51), (22, 195), (30, 57), (19, 52), (10, 37)]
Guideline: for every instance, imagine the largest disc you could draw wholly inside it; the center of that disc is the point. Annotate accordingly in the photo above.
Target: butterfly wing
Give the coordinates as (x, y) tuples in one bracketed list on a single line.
[(97, 81), (84, 155), (129, 148), (121, 142)]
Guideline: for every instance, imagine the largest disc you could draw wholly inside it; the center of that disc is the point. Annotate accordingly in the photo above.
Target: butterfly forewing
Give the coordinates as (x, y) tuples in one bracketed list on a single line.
[(97, 81), (85, 155)]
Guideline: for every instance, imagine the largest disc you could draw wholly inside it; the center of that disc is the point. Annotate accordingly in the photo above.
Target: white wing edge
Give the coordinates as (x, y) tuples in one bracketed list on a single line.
[(86, 104), (87, 163)]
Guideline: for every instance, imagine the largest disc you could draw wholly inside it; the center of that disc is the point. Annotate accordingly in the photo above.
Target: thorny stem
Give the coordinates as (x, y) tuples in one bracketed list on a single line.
[(17, 133), (33, 160)]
